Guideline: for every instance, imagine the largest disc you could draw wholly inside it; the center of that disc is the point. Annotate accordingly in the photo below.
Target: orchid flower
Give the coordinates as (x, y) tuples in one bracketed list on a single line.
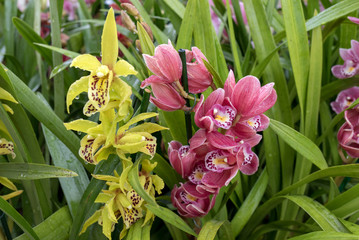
[(104, 75), (191, 203), (351, 62), (121, 200), (348, 134), (344, 99)]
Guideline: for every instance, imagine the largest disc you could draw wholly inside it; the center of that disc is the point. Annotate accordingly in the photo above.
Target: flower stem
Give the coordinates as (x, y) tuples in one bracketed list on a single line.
[(182, 54)]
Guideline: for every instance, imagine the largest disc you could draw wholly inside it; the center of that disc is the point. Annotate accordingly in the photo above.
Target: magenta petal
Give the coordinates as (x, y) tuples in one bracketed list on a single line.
[(221, 141), (355, 50), (167, 98), (169, 62), (152, 64), (345, 139), (216, 97), (346, 54), (344, 99), (247, 160), (198, 138), (354, 19), (152, 79), (337, 71), (218, 180), (229, 84)]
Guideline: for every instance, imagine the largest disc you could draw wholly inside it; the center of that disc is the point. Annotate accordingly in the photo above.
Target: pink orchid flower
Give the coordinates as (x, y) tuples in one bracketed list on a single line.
[(166, 63), (243, 103), (351, 62), (348, 134), (344, 99), (199, 79), (191, 203)]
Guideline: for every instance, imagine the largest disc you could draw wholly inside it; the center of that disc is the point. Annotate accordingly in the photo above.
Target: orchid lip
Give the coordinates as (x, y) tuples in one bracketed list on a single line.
[(215, 161), (223, 116)]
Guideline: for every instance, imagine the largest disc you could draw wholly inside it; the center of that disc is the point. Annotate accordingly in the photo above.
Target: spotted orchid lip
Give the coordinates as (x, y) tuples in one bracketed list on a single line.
[(216, 161), (198, 173), (223, 116)]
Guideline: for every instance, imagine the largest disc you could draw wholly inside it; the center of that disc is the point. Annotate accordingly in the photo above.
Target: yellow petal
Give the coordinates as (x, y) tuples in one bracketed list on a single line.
[(136, 119), (7, 108), (158, 182), (107, 223), (106, 177), (103, 153), (86, 62), (75, 89), (109, 41), (11, 195), (131, 216), (104, 197), (123, 233), (94, 218), (148, 217), (99, 90), (7, 183), (147, 166), (7, 147), (80, 125), (123, 177), (123, 68), (120, 90), (99, 141), (122, 200), (147, 127), (5, 95), (85, 151)]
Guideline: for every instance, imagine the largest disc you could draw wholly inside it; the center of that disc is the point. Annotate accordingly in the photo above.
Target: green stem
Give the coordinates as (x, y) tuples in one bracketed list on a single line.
[(59, 92), (182, 54)]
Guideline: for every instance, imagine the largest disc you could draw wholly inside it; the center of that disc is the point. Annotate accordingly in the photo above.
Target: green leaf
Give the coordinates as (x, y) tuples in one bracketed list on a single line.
[(217, 79), (145, 40), (167, 215), (65, 52), (176, 124), (333, 88), (325, 219), (326, 236), (32, 37), (233, 42), (297, 45), (250, 204), (336, 11), (73, 188), (55, 227), (351, 170), (18, 219), (300, 143), (177, 7), (31, 171), (59, 68), (209, 230), (184, 39)]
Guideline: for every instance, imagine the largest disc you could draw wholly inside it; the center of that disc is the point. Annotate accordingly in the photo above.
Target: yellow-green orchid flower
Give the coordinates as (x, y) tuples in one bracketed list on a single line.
[(104, 75), (121, 200), (5, 95), (6, 147), (7, 183)]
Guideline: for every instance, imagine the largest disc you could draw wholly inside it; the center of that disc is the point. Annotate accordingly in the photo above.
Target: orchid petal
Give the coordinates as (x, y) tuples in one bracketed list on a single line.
[(85, 151), (7, 147), (7, 183), (99, 88), (5, 95), (80, 125), (89, 109), (109, 41), (123, 68), (75, 89), (86, 62), (94, 218)]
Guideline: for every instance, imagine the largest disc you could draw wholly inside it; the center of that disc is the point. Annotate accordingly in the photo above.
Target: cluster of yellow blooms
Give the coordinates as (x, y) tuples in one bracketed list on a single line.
[(7, 147), (116, 134)]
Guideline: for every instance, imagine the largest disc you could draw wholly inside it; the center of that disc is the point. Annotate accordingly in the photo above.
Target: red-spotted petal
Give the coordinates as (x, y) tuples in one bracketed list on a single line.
[(86, 150)]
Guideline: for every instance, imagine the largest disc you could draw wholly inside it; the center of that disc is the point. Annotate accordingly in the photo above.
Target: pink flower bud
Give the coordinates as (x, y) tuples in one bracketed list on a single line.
[(199, 79), (166, 63)]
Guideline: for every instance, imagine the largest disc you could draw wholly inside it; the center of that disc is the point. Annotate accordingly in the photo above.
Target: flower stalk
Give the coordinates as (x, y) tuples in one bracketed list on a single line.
[(182, 54)]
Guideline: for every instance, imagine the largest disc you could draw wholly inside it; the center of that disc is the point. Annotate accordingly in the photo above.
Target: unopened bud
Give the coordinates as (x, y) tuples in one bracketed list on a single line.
[(138, 45), (148, 29), (132, 10), (127, 22)]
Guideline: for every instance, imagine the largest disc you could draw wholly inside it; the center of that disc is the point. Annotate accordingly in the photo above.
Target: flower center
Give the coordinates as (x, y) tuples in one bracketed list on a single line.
[(223, 116), (102, 71), (215, 161), (187, 198), (197, 175)]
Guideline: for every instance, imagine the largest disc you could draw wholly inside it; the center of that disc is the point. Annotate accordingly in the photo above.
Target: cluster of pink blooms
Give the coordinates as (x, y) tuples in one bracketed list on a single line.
[(350, 56), (348, 134), (167, 89), (229, 120)]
